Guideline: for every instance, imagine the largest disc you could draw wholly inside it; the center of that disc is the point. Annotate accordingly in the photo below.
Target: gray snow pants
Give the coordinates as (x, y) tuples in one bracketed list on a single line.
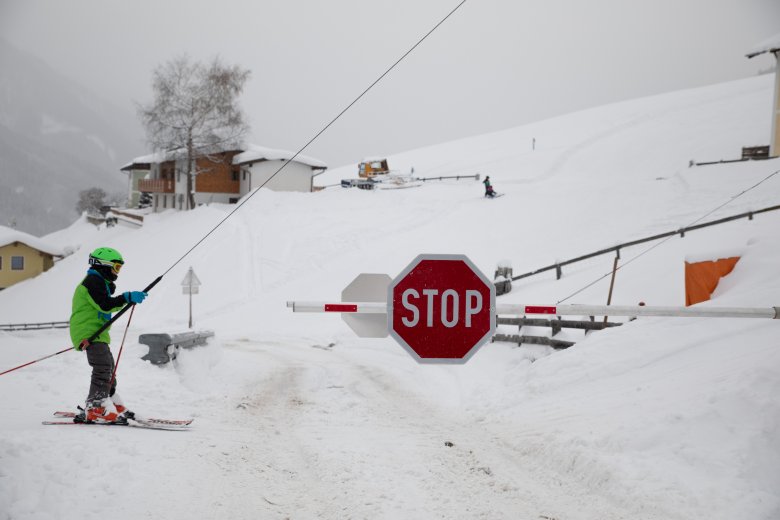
[(102, 362)]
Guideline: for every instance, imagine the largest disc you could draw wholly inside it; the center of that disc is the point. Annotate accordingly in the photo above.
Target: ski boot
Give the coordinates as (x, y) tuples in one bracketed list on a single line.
[(101, 411), (121, 409)]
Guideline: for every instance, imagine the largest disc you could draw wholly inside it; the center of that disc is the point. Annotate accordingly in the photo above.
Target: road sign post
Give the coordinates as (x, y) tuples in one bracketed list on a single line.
[(190, 285)]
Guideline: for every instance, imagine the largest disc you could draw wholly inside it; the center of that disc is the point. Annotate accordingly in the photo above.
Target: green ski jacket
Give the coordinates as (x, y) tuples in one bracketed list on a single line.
[(92, 308)]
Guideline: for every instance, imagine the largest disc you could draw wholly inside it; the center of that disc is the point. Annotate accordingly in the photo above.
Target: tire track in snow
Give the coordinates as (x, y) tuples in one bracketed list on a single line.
[(328, 435), (362, 446), (264, 464)]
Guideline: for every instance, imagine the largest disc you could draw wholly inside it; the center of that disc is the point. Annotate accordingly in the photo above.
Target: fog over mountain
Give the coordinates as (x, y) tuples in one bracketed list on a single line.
[(57, 137)]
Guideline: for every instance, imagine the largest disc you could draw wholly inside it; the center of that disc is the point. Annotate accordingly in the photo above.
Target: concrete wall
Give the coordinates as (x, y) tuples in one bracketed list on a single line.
[(221, 198), (294, 177), (35, 262)]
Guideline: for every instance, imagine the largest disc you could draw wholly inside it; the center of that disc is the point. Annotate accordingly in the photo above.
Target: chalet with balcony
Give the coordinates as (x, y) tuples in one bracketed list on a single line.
[(224, 177)]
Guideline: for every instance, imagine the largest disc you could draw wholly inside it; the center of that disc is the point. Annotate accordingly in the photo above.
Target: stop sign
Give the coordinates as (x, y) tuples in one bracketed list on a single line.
[(441, 308)]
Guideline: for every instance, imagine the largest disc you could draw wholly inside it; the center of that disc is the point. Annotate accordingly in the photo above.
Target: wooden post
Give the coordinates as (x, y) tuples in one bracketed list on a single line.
[(612, 284), (555, 325)]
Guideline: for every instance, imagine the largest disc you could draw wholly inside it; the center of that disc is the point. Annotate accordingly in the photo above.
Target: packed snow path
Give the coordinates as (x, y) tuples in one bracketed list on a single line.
[(325, 436), (328, 438), (303, 431)]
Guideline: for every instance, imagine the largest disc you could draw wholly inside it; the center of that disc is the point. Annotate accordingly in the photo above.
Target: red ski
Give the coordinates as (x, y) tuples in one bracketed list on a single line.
[(148, 422), (131, 423)]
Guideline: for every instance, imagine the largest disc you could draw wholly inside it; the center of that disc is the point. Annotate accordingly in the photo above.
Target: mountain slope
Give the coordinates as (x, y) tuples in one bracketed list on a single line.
[(58, 138)]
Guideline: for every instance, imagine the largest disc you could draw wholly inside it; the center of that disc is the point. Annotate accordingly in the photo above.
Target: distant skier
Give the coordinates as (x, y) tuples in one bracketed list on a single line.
[(93, 304), (488, 187)]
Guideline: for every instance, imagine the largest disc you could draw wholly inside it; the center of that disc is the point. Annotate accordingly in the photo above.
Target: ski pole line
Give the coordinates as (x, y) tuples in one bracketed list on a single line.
[(35, 361), (121, 347), (317, 135), (92, 337), (658, 244), (252, 194)]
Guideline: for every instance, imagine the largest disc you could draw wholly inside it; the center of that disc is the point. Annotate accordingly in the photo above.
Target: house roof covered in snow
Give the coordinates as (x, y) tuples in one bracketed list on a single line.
[(9, 236), (255, 153), (771, 44), (143, 162), (251, 153)]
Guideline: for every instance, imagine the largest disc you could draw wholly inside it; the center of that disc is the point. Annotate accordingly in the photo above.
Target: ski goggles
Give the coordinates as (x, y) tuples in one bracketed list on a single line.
[(115, 266)]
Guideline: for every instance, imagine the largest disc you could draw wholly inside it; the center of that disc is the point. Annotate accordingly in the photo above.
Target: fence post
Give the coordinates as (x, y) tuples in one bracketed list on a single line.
[(556, 326), (612, 283)]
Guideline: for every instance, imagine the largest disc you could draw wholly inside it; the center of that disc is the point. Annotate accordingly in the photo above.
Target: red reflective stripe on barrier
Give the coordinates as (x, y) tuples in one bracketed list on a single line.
[(540, 310), (336, 307)]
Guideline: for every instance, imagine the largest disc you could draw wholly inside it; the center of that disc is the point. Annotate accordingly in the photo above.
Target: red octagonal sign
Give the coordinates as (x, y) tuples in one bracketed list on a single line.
[(441, 308)]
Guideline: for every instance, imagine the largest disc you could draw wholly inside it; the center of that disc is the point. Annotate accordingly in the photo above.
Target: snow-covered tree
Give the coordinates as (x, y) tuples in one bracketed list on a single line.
[(195, 112), (91, 201)]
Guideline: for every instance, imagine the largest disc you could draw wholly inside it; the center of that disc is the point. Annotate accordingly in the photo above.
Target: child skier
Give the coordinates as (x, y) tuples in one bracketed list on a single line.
[(488, 187), (93, 304)]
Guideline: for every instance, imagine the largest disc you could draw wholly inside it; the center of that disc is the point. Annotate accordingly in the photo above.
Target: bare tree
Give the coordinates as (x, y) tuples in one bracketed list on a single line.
[(195, 112), (91, 201)]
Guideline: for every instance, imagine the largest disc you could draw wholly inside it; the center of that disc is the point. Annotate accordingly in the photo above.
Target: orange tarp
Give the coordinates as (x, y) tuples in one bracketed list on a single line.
[(701, 278)]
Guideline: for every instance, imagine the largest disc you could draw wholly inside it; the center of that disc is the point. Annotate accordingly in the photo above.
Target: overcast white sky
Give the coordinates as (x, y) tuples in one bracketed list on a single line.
[(495, 64)]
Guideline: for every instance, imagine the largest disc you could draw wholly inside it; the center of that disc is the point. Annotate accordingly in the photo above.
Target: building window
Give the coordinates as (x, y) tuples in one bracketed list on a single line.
[(234, 175), (243, 175), (1, 263), (17, 263)]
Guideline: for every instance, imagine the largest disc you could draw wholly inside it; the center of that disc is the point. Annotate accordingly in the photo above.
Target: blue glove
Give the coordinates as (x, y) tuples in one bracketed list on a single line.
[(135, 296)]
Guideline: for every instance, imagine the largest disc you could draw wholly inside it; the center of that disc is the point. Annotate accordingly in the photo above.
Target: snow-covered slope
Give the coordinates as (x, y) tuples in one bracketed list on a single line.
[(662, 418)]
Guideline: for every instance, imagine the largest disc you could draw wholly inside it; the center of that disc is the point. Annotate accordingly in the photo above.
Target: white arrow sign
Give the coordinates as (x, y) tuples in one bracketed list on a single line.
[(190, 283), (190, 286)]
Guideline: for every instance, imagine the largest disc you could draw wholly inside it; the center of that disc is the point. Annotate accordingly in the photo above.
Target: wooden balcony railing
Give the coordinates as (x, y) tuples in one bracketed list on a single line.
[(156, 185)]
